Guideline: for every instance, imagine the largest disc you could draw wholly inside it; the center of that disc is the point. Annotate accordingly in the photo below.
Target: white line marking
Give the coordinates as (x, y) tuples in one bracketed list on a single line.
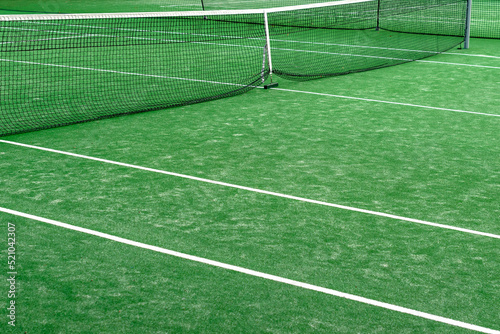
[(119, 72), (45, 39), (293, 50), (469, 55), (355, 46), (388, 58), (387, 102), (457, 64), (259, 274), (275, 40), (183, 14), (233, 84), (265, 192), (290, 41)]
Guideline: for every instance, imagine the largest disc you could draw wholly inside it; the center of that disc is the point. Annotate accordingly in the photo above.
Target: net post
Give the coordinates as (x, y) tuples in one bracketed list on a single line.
[(468, 21), (269, 57), (378, 16)]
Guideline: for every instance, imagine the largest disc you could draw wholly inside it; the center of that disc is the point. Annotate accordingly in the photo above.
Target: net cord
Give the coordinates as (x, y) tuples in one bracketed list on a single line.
[(468, 22), (174, 14)]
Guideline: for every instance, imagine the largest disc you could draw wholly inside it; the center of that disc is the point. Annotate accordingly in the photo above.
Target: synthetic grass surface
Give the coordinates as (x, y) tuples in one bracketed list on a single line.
[(81, 284), (436, 165)]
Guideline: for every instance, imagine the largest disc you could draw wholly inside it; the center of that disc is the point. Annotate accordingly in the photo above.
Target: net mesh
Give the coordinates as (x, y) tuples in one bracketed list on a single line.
[(98, 6), (57, 72), (486, 18), (65, 69), (362, 36), (485, 13)]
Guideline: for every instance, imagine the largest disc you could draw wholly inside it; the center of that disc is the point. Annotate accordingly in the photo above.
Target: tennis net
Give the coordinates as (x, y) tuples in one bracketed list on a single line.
[(486, 18), (117, 6), (64, 69), (485, 13), (98, 6)]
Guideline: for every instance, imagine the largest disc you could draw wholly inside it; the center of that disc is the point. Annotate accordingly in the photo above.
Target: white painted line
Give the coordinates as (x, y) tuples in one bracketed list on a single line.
[(274, 48), (388, 58), (287, 41), (120, 72), (239, 37), (259, 274), (469, 55), (265, 192), (458, 64), (234, 84), (387, 102), (184, 14)]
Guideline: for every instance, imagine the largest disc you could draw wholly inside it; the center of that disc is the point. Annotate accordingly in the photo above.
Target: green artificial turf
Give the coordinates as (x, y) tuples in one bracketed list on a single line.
[(419, 140), (435, 165), (71, 282)]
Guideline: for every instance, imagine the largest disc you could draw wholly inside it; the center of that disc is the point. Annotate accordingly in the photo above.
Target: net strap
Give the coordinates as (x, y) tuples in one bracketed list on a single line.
[(268, 46)]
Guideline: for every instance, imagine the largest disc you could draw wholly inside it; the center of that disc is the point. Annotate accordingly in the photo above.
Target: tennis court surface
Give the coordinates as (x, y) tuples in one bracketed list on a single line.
[(355, 197)]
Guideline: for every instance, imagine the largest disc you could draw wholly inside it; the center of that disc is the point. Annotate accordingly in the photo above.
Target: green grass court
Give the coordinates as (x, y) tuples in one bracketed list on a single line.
[(377, 194)]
